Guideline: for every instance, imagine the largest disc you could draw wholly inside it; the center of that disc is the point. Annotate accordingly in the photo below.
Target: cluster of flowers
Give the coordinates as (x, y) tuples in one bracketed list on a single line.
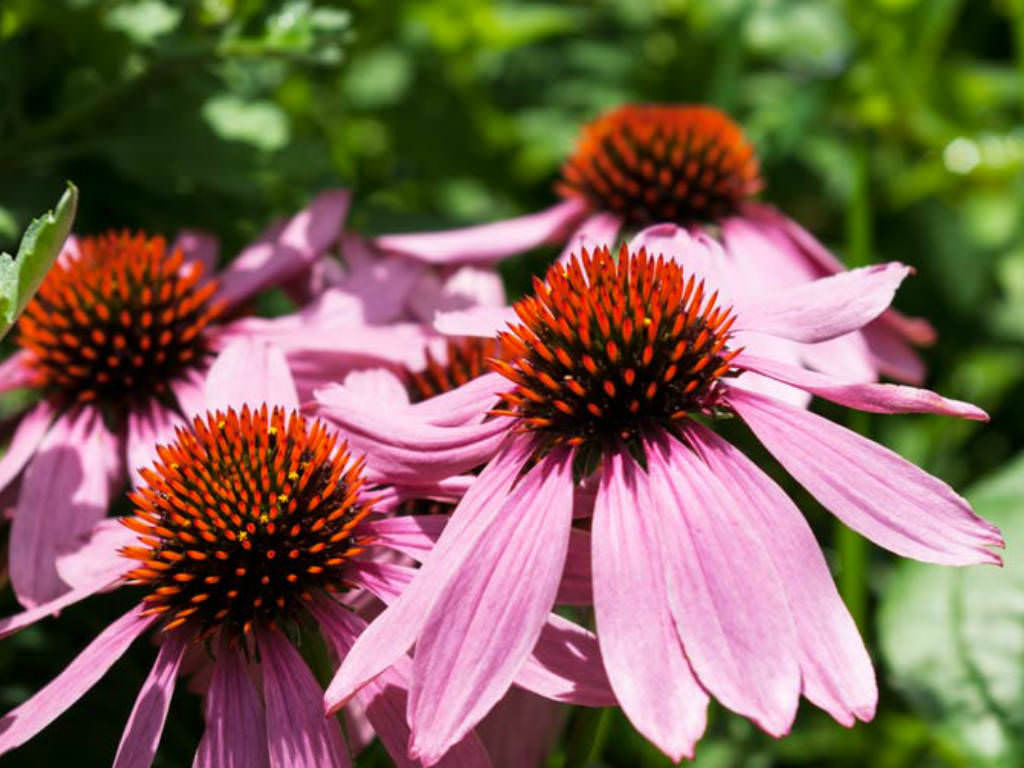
[(418, 474)]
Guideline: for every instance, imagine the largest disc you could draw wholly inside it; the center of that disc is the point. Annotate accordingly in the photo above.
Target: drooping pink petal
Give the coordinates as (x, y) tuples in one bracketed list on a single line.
[(394, 631), (26, 439), (146, 722), (299, 735), (876, 398), (462, 405), (723, 590), (802, 247), (871, 489), (15, 372), (25, 721), (641, 649), (199, 246), (97, 554), (476, 321), (826, 308), (250, 372), (522, 729), (468, 286), (271, 261), (149, 425), (403, 450), (598, 229), (65, 491), (487, 242), (844, 357), (487, 619), (378, 383), (893, 356), (566, 666), (236, 731), (834, 664), (381, 284)]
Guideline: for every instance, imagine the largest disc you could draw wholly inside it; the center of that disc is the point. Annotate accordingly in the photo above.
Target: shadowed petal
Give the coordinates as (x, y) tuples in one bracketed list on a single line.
[(874, 491), (148, 426), (97, 554), (236, 732), (31, 429), (15, 372)]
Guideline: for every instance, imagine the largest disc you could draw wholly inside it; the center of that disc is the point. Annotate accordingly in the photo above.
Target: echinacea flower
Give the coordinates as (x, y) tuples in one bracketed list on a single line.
[(116, 341), (253, 527), (706, 580), (689, 165)]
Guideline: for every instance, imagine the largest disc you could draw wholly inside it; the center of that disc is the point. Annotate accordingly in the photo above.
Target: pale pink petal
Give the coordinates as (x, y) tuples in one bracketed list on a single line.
[(724, 593), (870, 488), (269, 262), (15, 372), (65, 491), (777, 349), (522, 729), (876, 398), (467, 287), (299, 735), (487, 619), (150, 425), (189, 391), (598, 229), (462, 405), (826, 308), (236, 732), (382, 285), (97, 554), (380, 384), (25, 721), (31, 429), (698, 255), (198, 246), (412, 535), (448, 491), (476, 321), (392, 633), (641, 649), (762, 246), (834, 664), (146, 722), (403, 450), (565, 665), (845, 357), (250, 372), (893, 356), (487, 242)]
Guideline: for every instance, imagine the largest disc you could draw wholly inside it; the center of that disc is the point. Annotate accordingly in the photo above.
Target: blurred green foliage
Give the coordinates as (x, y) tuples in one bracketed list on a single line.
[(893, 129)]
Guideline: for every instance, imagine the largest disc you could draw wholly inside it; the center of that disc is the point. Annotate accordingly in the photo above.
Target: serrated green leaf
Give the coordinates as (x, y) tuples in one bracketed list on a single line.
[(21, 275), (954, 637)]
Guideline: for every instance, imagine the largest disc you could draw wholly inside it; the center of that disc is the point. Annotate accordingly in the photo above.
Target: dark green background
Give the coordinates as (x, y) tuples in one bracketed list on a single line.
[(891, 128)]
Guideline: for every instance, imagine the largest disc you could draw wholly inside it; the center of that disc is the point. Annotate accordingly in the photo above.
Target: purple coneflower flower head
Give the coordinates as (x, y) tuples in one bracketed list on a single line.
[(117, 341), (706, 580), (689, 165)]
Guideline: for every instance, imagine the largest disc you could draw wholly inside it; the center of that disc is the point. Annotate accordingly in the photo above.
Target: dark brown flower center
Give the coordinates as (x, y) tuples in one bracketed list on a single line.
[(119, 321), (243, 519), (610, 348), (660, 163)]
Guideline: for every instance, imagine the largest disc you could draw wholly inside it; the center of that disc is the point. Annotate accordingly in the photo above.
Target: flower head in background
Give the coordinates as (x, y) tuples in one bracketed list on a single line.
[(706, 579), (688, 165), (117, 342)]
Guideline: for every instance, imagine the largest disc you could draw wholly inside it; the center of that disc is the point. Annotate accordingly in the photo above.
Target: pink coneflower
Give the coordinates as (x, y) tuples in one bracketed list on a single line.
[(706, 579), (253, 527), (116, 342), (690, 165)]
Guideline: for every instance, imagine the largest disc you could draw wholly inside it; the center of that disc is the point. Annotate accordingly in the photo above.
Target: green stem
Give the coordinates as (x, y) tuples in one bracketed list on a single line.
[(590, 728)]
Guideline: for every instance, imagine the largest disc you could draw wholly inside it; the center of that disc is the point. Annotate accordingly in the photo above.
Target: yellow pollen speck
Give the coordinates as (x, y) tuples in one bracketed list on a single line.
[(293, 475), (282, 497), (647, 321), (264, 518), (271, 430), (221, 423), (243, 535)]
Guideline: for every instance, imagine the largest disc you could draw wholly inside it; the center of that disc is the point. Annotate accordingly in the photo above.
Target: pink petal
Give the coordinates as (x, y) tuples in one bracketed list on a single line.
[(876, 398), (468, 286), (522, 729), (148, 426), (598, 229), (378, 383), (642, 651), (250, 372), (382, 285), (826, 308), (97, 554), (146, 723), (299, 735), (487, 242), (893, 356), (723, 590), (190, 393), (403, 450), (803, 245), (462, 405), (448, 491), (870, 488), (576, 587), (476, 321), (835, 667), (15, 372), (566, 666), (844, 357), (269, 262), (198, 246), (25, 721), (65, 491), (412, 535), (31, 429), (486, 619), (236, 731), (394, 631)]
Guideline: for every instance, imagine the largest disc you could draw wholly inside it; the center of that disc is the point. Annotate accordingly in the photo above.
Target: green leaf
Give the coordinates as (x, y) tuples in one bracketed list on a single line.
[(21, 275), (954, 637)]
